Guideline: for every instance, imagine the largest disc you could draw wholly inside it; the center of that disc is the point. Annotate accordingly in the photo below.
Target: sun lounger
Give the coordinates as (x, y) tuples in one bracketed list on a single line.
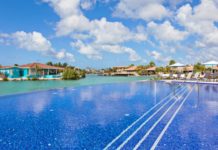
[(182, 76), (202, 76), (207, 76), (215, 75), (165, 76), (175, 76), (196, 76), (188, 77)]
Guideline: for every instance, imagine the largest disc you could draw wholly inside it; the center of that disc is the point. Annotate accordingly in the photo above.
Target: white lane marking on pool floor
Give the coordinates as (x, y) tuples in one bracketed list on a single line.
[(144, 123), (148, 132), (168, 123), (130, 126)]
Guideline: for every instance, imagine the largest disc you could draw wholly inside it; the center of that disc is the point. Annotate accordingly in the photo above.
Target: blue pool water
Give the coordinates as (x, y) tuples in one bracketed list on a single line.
[(140, 115)]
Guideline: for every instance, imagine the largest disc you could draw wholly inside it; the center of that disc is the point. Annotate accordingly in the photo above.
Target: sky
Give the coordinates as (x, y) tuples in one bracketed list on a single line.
[(105, 33)]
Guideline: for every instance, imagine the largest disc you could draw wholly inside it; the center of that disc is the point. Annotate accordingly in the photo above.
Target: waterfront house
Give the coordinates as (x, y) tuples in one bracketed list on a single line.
[(188, 68), (151, 70), (10, 71), (33, 70), (125, 71), (215, 68), (119, 68), (132, 69)]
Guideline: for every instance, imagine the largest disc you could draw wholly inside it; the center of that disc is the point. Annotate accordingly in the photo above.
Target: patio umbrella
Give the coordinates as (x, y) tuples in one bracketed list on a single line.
[(177, 65), (211, 63)]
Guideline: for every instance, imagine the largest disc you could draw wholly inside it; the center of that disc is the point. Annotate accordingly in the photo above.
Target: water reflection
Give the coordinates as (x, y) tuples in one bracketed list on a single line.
[(89, 93), (33, 103), (198, 117), (107, 104), (101, 106)]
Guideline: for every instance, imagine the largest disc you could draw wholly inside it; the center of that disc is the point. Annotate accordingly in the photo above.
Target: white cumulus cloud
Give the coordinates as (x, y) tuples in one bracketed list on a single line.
[(93, 34), (34, 41), (157, 56), (200, 20), (31, 41), (166, 32), (141, 9)]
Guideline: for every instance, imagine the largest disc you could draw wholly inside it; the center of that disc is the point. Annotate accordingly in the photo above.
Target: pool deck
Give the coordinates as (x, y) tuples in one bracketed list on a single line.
[(190, 81)]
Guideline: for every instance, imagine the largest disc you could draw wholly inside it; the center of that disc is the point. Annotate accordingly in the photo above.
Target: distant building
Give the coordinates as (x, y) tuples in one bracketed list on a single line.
[(184, 69), (151, 70), (132, 69), (31, 70), (126, 71), (187, 69), (119, 68)]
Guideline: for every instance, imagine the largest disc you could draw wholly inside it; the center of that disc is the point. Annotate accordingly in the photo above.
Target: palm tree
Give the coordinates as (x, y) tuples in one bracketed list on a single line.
[(49, 63), (65, 64), (152, 64), (171, 62), (199, 67)]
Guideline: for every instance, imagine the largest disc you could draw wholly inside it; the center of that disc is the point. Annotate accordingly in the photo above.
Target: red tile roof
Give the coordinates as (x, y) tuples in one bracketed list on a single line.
[(132, 68), (215, 68), (42, 66), (5, 67), (151, 69)]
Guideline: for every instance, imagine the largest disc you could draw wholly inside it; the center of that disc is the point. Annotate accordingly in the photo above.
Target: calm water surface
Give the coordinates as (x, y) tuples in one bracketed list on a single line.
[(28, 86)]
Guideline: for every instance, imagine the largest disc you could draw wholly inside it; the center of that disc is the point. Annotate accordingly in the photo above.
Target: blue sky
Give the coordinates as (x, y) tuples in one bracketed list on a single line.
[(104, 33)]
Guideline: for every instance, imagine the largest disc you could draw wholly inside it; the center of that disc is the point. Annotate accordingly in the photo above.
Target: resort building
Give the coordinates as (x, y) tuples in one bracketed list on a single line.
[(180, 68), (119, 68), (132, 69), (188, 69), (32, 70), (215, 69), (127, 71), (151, 70)]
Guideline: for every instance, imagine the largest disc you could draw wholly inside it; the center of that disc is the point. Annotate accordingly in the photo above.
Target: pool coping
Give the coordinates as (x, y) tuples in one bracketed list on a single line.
[(189, 81)]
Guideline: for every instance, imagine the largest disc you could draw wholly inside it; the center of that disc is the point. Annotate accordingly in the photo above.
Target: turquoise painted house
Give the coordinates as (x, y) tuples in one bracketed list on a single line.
[(11, 72), (31, 70)]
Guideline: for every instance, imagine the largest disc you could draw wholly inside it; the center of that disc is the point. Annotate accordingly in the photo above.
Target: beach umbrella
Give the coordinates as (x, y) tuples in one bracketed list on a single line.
[(211, 63), (177, 65)]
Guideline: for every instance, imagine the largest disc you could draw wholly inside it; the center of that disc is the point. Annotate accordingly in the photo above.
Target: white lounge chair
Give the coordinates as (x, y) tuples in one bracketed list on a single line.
[(188, 77), (202, 76), (196, 76), (165, 76), (182, 76), (175, 76)]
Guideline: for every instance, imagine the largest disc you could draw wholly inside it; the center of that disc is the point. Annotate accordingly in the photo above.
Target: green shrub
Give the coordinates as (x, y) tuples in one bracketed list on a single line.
[(5, 79), (83, 74), (70, 74), (35, 79)]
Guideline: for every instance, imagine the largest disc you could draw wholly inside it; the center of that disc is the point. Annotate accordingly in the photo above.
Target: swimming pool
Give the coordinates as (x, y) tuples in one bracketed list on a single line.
[(136, 115)]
